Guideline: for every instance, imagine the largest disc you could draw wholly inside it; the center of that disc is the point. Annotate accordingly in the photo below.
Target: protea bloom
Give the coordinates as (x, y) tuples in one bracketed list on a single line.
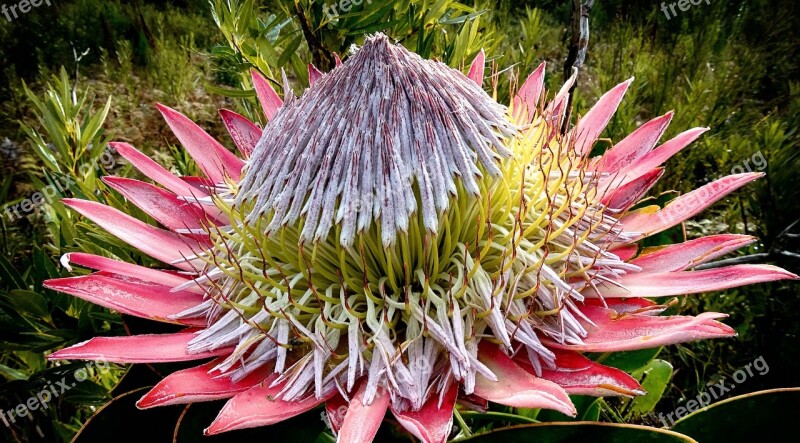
[(396, 239)]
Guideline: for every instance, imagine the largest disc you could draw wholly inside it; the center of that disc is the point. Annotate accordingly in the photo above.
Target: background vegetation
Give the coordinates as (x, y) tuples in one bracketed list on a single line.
[(79, 73)]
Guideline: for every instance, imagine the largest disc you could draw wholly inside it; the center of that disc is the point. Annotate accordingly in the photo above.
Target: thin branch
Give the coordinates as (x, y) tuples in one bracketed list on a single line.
[(323, 58), (580, 36), (577, 48)]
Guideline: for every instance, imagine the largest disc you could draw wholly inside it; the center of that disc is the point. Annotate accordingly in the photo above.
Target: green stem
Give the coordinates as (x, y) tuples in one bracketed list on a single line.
[(462, 423), (499, 415)]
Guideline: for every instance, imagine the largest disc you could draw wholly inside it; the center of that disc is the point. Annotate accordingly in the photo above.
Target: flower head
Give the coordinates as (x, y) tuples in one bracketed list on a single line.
[(396, 239)]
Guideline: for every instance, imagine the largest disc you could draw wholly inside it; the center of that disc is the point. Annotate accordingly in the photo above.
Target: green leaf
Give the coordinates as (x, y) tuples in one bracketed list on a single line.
[(654, 378), (436, 11), (36, 342), (578, 432), (372, 16), (628, 361), (526, 416), (233, 93), (10, 373), (94, 125), (9, 276), (748, 417), (592, 412), (41, 148), (587, 408), (105, 316), (462, 18), (86, 393), (290, 50), (28, 302)]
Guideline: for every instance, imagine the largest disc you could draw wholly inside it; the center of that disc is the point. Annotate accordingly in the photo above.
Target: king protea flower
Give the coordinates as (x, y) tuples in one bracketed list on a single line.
[(395, 239)]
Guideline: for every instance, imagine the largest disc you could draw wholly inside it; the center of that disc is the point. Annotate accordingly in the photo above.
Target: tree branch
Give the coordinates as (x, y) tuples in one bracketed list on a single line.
[(579, 42), (580, 36), (323, 58)]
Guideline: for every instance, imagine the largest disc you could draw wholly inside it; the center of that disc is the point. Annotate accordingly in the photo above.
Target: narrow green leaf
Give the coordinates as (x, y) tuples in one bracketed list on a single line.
[(9, 276), (654, 378), (233, 93), (627, 361), (10, 373), (94, 124), (290, 50), (28, 302)]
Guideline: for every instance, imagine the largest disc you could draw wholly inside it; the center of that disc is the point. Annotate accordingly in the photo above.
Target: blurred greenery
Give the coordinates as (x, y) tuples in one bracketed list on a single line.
[(79, 73)]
